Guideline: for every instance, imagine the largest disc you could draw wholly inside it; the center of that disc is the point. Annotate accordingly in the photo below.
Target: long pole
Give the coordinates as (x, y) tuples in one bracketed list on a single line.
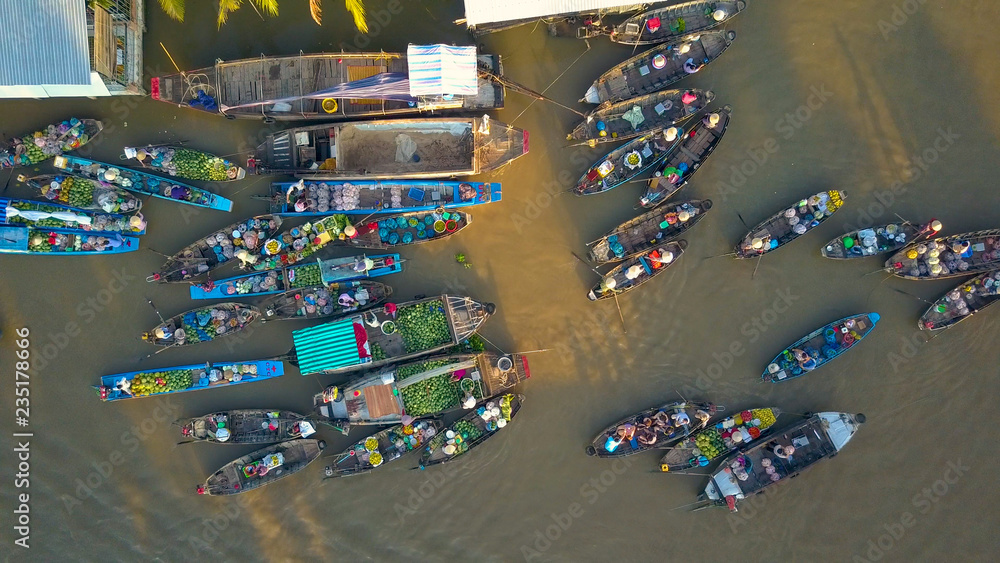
[(613, 292)]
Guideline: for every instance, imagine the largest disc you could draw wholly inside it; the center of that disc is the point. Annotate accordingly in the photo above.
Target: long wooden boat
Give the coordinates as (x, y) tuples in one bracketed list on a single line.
[(391, 149), (654, 428), (819, 347), (245, 426), (363, 197), (878, 240), (141, 182), (636, 271), (720, 439), (789, 224), (381, 448), (644, 232), (245, 238), (320, 272), (428, 387), (262, 467), (394, 333), (629, 161), (30, 149), (670, 22), (82, 193), (247, 88), (697, 145), (948, 257), (182, 162), (962, 302), (194, 377), (382, 233), (582, 24), (202, 325), (46, 215), (22, 239), (471, 430), (320, 302), (611, 123), (751, 471), (659, 67)]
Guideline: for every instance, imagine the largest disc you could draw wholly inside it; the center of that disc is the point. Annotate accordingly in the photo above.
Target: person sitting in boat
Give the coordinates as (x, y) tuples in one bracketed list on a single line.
[(646, 437), (702, 416), (783, 452), (180, 193), (806, 362), (364, 265), (661, 422), (125, 386), (711, 120), (680, 418), (621, 434), (692, 67), (660, 257), (346, 300)]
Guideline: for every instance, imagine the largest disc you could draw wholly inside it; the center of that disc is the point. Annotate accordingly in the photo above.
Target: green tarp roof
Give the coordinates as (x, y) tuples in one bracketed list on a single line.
[(326, 347)]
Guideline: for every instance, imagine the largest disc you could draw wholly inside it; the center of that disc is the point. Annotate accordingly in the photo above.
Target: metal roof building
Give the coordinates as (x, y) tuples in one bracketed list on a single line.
[(479, 12)]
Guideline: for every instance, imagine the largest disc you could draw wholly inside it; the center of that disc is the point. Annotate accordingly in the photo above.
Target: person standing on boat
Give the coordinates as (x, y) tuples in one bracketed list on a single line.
[(806, 362), (691, 67)]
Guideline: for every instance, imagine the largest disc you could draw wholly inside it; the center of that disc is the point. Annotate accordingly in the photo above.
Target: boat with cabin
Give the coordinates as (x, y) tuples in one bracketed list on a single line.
[(428, 387), (22, 239), (614, 122), (391, 149), (962, 302), (311, 274), (819, 347), (629, 161), (394, 333), (654, 428), (947, 257), (659, 67), (245, 426), (720, 439), (878, 240), (679, 166), (54, 140), (194, 377), (262, 467), (202, 325), (46, 215), (183, 162), (82, 193), (383, 447), (141, 182), (644, 232), (785, 455), (340, 86), (242, 241), (669, 22), (471, 430), (787, 225), (362, 197), (637, 270), (323, 301)]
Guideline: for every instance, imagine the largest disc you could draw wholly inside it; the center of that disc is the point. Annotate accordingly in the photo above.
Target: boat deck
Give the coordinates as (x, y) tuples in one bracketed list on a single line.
[(697, 147)]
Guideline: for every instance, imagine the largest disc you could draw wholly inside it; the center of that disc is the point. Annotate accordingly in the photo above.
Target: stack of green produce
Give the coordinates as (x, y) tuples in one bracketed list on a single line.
[(423, 326), (377, 352), (410, 370), (470, 433), (433, 395), (38, 242), (307, 276), (280, 251), (50, 222), (196, 165), (75, 192), (160, 382), (710, 443)]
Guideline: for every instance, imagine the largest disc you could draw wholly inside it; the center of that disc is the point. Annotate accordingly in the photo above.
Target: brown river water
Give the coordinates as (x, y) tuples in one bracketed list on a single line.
[(855, 95)]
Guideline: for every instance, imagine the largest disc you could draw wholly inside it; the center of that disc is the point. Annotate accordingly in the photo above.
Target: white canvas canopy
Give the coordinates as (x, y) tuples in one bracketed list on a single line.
[(479, 12), (442, 69)]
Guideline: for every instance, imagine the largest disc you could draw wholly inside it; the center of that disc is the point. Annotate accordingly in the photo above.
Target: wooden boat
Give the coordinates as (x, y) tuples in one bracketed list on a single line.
[(391, 149), (629, 161), (202, 325), (878, 240), (383, 233), (363, 197), (697, 145), (750, 471), (262, 467), (311, 274), (141, 182), (381, 448), (392, 334), (720, 439), (30, 149), (962, 302), (580, 24), (670, 22), (652, 228), (318, 302), (659, 67), (429, 387), (82, 193), (819, 347), (22, 239), (667, 424), (152, 382), (45, 215), (471, 430), (948, 257), (182, 162), (789, 224), (636, 271), (248, 88), (244, 238), (611, 123), (245, 426)]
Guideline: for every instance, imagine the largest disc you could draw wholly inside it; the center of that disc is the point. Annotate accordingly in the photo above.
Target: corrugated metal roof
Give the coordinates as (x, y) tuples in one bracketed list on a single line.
[(326, 347), (489, 11), (43, 42)]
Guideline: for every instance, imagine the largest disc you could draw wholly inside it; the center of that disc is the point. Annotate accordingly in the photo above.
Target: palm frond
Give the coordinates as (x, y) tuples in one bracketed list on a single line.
[(357, 9), (173, 8), (225, 7), (316, 11), (269, 7)]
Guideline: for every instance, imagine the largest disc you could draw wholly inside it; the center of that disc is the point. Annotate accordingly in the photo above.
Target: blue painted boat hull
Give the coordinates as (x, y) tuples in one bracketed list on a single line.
[(265, 369), (14, 239), (5, 202), (487, 192), (778, 370)]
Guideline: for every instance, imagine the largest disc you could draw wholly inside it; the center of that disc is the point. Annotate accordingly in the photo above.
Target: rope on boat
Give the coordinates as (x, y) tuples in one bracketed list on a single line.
[(553, 83)]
